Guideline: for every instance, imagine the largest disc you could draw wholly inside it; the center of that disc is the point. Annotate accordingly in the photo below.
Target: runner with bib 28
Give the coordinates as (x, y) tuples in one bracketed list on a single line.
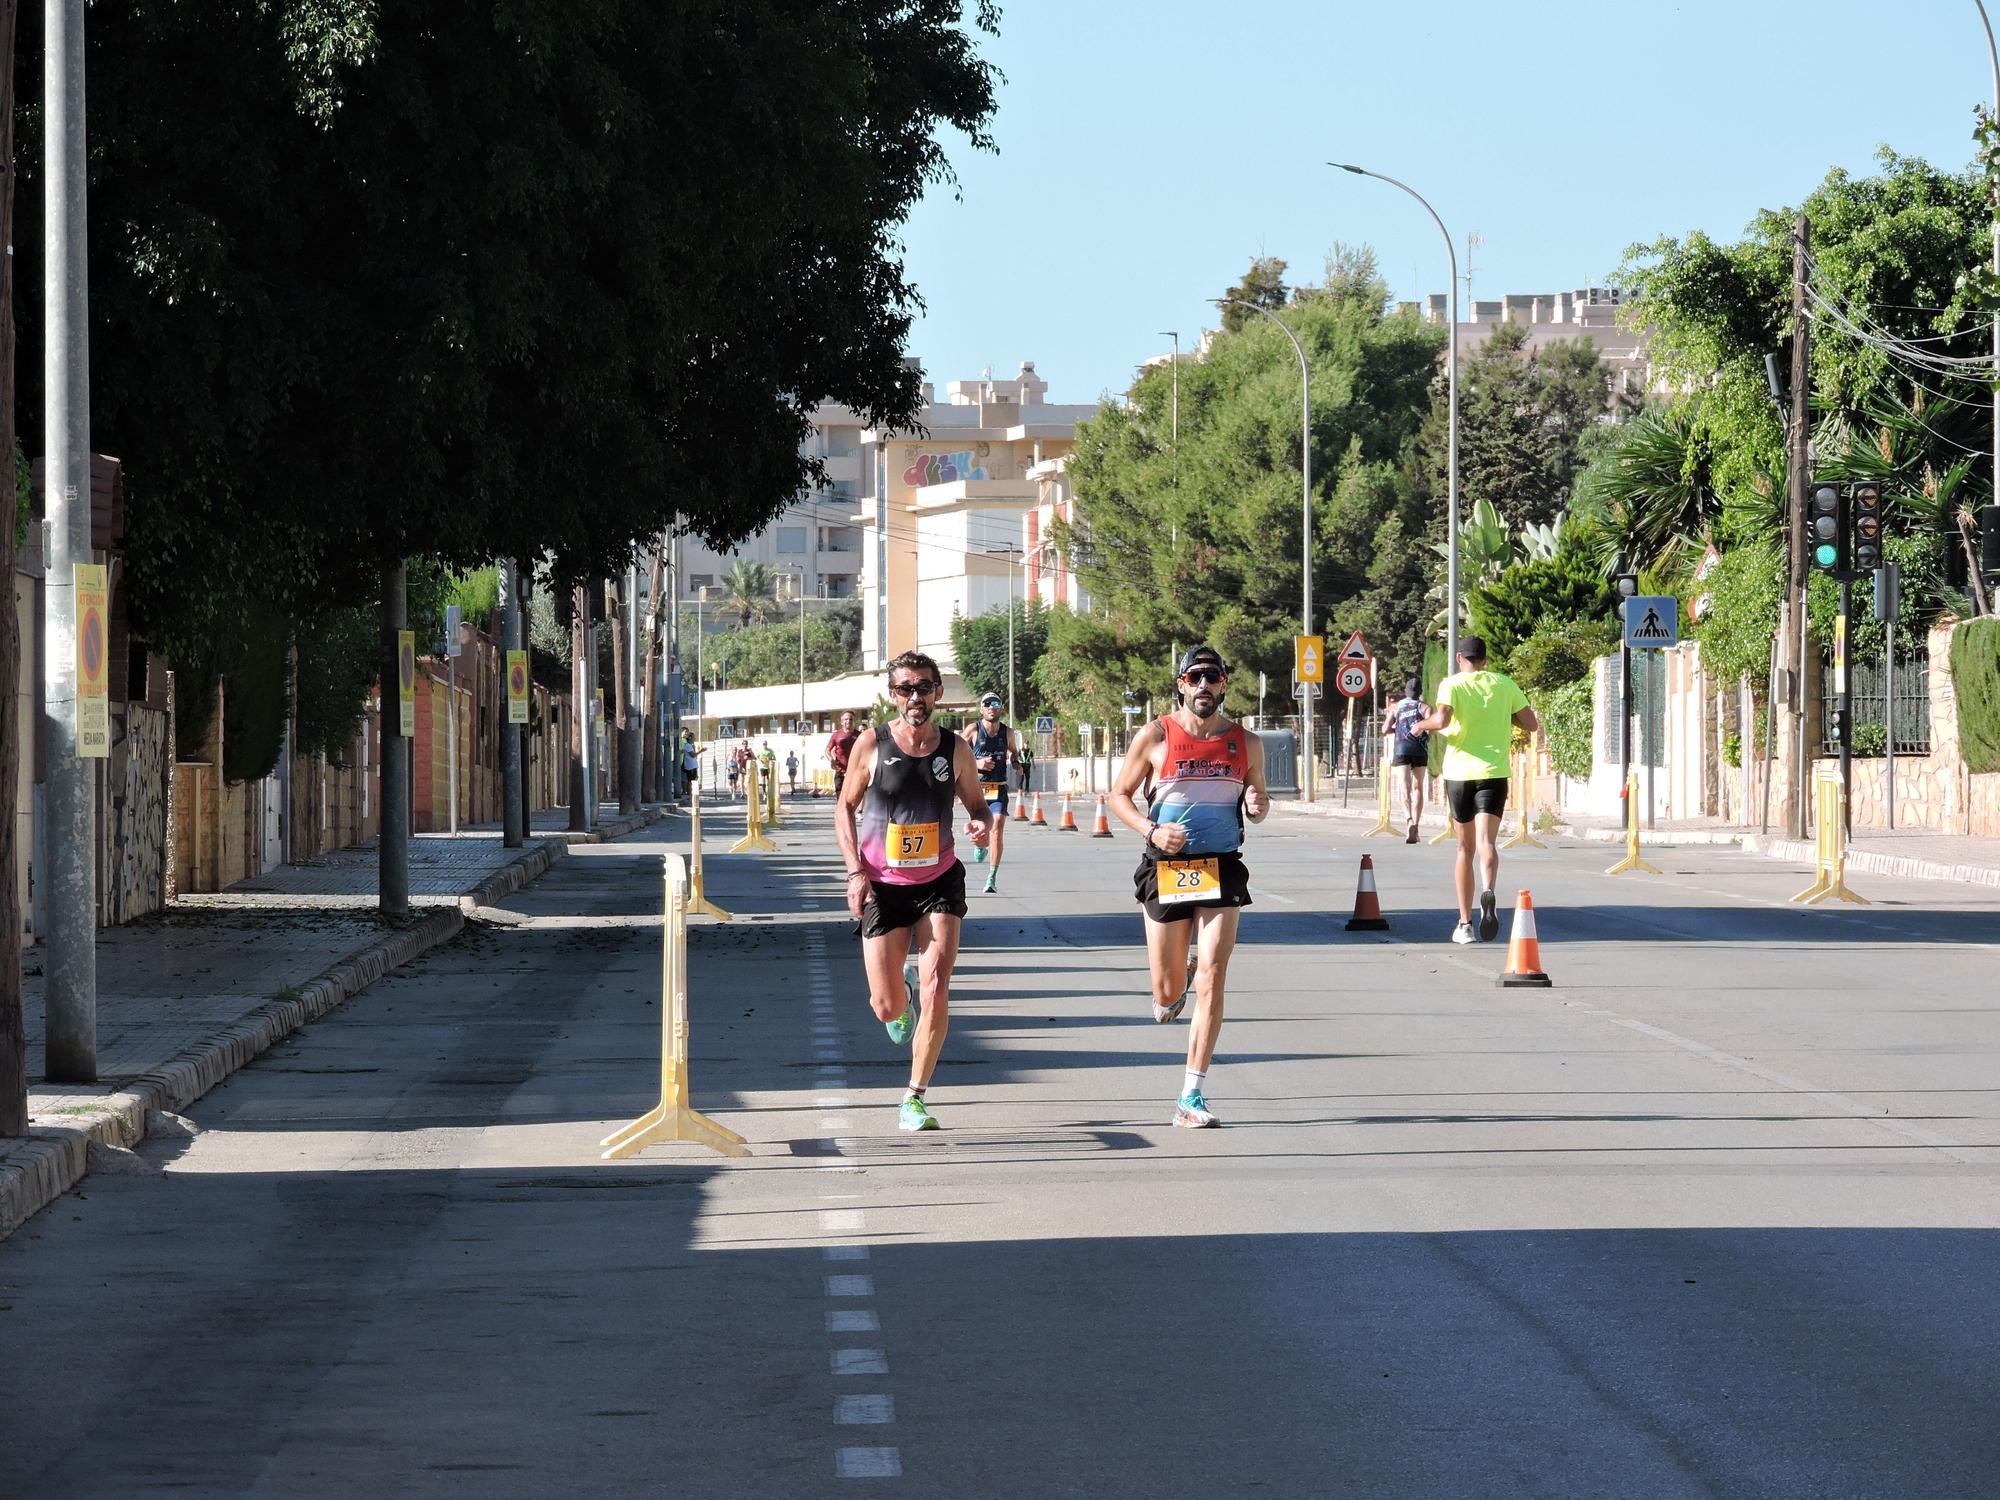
[(1207, 777)]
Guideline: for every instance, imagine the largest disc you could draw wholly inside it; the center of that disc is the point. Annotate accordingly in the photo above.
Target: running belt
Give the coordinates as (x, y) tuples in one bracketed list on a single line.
[(1201, 787)]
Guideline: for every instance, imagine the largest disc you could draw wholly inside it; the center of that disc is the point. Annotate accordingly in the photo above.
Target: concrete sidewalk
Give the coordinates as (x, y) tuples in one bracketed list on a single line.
[(189, 995), (1910, 854)]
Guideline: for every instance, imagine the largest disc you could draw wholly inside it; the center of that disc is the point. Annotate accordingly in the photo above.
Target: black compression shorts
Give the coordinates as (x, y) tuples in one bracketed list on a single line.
[(1230, 870), (892, 906), (1464, 798)]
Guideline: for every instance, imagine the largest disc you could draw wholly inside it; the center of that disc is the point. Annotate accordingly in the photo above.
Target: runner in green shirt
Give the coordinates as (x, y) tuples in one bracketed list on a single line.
[(1477, 712)]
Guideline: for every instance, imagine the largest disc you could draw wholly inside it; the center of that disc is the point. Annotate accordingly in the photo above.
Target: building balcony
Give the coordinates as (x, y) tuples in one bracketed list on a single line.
[(975, 494)]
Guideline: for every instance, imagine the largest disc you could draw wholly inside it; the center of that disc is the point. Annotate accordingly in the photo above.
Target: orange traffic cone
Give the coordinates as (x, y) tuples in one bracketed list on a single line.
[(1103, 828), (1524, 954), (1367, 905), (1068, 823), (1021, 809), (1038, 820)]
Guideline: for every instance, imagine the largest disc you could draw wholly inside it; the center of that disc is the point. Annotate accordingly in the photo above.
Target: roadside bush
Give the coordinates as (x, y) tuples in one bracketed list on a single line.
[(1559, 653), (1975, 679), (1566, 727)]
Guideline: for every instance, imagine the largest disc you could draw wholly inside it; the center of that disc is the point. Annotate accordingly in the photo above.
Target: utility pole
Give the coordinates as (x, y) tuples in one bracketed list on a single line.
[(13, 1025), (622, 612), (70, 969), (1800, 466), (513, 830), (392, 847), (524, 584)]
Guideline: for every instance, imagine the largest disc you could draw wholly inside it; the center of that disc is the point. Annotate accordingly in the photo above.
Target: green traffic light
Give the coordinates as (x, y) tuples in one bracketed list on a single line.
[(1826, 554)]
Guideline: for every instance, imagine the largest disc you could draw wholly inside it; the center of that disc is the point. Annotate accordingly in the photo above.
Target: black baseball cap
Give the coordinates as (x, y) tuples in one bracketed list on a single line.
[(1201, 656), (1472, 647)]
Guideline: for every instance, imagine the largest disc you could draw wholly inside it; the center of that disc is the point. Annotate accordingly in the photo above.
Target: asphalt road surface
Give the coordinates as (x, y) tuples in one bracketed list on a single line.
[(1714, 1216)]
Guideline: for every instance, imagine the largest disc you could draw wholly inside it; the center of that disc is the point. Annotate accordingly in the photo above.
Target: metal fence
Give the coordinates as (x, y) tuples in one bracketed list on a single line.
[(1867, 685)]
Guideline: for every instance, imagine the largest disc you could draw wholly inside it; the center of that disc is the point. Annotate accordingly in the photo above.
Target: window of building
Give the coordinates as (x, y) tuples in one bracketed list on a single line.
[(837, 585), (696, 582), (791, 540), (838, 538)]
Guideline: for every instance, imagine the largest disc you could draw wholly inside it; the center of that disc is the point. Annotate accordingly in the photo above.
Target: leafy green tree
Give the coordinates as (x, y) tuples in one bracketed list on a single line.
[(980, 646), (464, 282), (750, 592), (1263, 285), (759, 655), (1532, 596), (1522, 417), (1650, 499), (1217, 557), (1559, 653)]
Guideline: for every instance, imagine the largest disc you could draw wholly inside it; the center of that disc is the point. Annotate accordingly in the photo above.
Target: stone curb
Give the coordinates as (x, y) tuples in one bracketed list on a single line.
[(54, 1158), (1859, 861)]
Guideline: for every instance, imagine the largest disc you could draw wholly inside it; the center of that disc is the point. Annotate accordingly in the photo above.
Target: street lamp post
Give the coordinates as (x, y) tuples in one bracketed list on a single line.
[(1993, 56), (800, 570), (1451, 376), (1306, 536)]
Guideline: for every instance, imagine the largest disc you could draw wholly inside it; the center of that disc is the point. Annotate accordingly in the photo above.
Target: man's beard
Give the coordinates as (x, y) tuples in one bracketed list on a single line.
[(917, 714), (1204, 704)]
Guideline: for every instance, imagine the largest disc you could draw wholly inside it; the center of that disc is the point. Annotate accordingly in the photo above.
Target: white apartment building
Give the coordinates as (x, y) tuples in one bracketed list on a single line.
[(949, 515), (1550, 317)]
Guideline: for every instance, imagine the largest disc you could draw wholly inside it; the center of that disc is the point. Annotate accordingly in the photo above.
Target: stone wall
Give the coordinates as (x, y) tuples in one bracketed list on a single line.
[(1935, 791)]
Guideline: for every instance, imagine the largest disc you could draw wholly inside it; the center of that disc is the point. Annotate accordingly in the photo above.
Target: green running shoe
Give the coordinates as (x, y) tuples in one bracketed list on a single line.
[(992, 881), (914, 1116), (1191, 1112), (900, 1028), (979, 854)]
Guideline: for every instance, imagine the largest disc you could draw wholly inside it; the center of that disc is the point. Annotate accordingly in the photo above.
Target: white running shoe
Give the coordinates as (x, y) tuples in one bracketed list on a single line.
[(1463, 934)]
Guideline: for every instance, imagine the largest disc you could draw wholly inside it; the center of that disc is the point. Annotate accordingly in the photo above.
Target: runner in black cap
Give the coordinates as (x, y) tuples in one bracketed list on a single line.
[(1208, 777)]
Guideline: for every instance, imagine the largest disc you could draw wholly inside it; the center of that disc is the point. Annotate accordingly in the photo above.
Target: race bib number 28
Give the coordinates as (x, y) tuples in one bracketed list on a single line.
[(1189, 880), (912, 846)]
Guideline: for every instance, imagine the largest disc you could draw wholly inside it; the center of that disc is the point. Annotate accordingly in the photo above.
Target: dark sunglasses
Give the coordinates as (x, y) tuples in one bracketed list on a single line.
[(1203, 676), (923, 687)]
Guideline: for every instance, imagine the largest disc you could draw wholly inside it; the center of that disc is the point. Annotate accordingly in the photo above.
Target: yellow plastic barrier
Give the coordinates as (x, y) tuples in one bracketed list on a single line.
[(1830, 847), (1523, 797), (1383, 770), (698, 894), (1631, 861), (771, 817), (673, 1119), (753, 840)]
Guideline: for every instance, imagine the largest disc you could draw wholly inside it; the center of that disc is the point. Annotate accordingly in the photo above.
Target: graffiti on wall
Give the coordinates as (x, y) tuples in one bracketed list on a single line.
[(946, 468), (138, 815)]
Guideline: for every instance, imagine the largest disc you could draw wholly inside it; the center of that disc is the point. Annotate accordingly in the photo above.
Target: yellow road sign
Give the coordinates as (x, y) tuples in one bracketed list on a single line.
[(93, 676), (1309, 658), (406, 681), (517, 687)]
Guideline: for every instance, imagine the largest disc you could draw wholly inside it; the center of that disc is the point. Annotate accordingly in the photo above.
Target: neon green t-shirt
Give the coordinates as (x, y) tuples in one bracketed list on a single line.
[(1483, 705)]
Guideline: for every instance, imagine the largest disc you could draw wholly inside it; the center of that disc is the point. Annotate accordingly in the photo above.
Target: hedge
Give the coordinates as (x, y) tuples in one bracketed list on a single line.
[(1566, 726), (1975, 680)]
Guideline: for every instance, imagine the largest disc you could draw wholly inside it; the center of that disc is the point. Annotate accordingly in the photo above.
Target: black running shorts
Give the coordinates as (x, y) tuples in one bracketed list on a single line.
[(892, 906), (1487, 795), (1230, 870)]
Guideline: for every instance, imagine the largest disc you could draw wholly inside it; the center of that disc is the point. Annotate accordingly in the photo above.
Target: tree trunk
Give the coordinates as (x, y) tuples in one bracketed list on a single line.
[(13, 1030), (622, 646), (657, 786), (392, 842), (579, 719)]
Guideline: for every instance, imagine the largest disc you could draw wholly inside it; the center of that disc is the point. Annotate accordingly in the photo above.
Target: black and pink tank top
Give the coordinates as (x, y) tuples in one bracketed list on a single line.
[(906, 816)]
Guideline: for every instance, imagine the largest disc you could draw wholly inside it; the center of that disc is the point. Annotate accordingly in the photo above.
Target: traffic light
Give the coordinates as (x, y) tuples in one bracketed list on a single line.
[(1865, 522), (1826, 526)]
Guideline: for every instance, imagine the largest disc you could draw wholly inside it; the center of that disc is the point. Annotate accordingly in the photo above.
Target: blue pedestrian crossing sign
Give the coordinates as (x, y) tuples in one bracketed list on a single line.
[(1652, 621)]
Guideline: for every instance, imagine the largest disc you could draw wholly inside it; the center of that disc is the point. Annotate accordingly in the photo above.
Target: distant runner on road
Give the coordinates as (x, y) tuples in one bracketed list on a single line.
[(993, 743), (1477, 712), (839, 746), (904, 881), (1208, 777), (1410, 752)]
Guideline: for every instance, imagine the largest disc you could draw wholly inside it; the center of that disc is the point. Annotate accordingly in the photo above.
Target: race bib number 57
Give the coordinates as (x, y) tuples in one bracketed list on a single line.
[(912, 846), (1189, 880)]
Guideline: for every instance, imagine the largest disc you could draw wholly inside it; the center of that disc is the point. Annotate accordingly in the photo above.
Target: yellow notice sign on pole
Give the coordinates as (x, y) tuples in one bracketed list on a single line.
[(517, 687), (1840, 653), (1309, 657), (93, 675), (406, 680)]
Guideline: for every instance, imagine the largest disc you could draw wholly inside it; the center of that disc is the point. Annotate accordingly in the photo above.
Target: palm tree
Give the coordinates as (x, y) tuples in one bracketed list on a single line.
[(1651, 496), (750, 589)]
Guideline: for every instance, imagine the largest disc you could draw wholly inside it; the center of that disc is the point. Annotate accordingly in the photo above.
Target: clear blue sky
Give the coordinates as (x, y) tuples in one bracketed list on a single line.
[(1149, 148)]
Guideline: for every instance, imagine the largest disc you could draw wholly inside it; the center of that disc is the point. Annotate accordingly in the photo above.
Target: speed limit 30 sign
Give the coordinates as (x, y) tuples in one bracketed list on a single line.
[(1353, 678)]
